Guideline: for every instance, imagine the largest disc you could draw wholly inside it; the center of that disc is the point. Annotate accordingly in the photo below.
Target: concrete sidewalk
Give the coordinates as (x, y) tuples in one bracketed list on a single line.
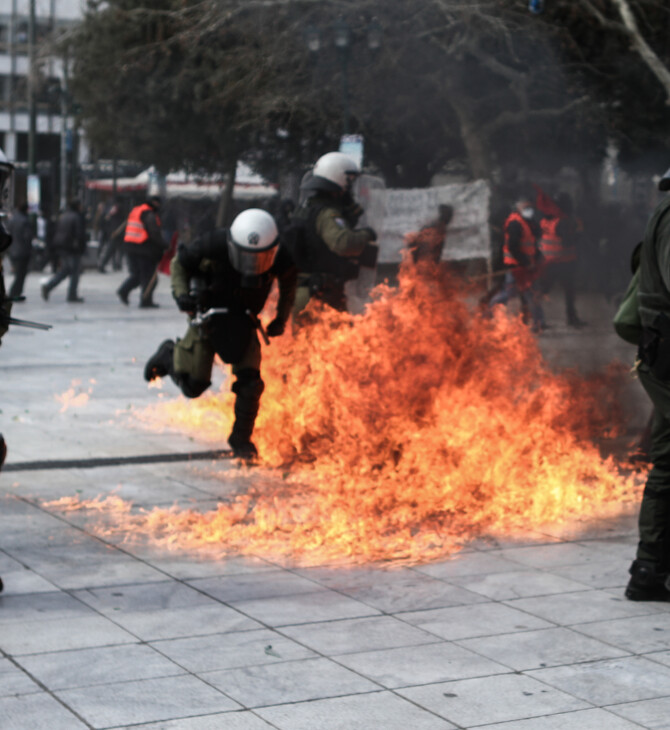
[(532, 634)]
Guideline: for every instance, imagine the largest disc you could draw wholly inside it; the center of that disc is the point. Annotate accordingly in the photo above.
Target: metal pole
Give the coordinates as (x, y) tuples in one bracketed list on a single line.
[(63, 145), (32, 109)]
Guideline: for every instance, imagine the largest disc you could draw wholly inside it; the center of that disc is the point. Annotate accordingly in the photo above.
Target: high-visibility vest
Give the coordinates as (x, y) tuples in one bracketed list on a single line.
[(527, 240), (551, 244), (135, 230)]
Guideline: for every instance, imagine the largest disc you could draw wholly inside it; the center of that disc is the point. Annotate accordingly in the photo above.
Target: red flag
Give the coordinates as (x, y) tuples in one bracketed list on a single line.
[(546, 205), (164, 264)]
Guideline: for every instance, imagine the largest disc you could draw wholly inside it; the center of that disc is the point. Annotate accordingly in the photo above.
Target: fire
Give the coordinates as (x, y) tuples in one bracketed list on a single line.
[(74, 396), (401, 433)]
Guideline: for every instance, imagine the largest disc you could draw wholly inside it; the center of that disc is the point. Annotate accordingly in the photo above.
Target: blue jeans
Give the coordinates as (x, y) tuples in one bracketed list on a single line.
[(70, 265), (530, 299)]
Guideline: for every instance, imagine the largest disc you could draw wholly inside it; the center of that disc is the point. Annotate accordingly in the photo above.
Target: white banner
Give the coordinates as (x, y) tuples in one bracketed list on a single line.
[(409, 210)]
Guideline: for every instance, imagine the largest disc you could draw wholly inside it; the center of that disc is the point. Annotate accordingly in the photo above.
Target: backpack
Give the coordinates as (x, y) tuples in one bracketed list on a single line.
[(627, 322)]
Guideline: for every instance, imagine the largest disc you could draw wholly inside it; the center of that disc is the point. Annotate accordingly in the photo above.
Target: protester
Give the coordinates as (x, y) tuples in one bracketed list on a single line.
[(427, 244), (70, 243), (20, 252)]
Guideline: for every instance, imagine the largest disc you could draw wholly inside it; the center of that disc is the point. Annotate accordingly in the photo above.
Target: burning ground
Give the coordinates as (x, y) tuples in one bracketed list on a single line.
[(398, 435)]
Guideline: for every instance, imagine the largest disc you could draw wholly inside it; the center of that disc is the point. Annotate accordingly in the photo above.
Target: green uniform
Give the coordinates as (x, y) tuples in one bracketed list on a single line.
[(654, 372), (329, 253)]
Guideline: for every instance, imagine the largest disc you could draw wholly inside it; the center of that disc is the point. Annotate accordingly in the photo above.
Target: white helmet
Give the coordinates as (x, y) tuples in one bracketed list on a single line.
[(333, 172), (253, 239), (6, 185)]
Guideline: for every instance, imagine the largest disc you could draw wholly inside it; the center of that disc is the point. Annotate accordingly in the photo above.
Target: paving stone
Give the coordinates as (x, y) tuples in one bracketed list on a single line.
[(611, 681), (354, 635), (149, 700), (86, 667), (544, 648), (652, 714), (487, 700), (37, 712), (581, 720), (15, 682), (417, 665), (483, 619), (227, 651), (252, 586), (227, 721), (380, 710), (287, 682), (319, 606), (640, 634), (518, 584)]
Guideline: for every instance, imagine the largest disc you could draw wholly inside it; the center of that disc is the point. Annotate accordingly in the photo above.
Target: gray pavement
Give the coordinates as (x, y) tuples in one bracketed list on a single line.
[(525, 634)]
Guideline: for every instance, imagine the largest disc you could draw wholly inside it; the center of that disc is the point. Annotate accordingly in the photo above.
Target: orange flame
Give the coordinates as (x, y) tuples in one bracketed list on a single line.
[(74, 396), (401, 433)]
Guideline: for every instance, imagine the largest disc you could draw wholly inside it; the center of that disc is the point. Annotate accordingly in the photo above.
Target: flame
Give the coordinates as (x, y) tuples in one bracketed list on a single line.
[(74, 396), (399, 434)]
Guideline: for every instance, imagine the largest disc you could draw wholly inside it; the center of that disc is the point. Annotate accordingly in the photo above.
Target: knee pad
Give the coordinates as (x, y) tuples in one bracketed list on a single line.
[(248, 384), (191, 388)]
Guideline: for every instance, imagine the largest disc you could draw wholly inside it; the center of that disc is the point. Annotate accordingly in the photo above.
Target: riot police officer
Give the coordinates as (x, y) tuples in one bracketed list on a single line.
[(327, 248), (222, 281)]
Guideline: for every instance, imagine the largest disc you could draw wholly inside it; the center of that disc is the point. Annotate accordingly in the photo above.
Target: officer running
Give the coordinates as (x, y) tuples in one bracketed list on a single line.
[(327, 250), (222, 281)]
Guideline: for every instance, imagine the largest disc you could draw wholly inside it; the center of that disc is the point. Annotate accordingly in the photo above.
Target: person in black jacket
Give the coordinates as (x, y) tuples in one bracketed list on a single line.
[(70, 242), (20, 252)]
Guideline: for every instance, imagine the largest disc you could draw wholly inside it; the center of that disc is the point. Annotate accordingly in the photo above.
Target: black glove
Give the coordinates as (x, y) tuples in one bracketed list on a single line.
[(187, 303), (276, 327), (368, 257), (371, 233)]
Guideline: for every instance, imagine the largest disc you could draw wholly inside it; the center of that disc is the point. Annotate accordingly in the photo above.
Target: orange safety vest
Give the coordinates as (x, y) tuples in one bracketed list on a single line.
[(551, 244), (527, 240), (135, 230)]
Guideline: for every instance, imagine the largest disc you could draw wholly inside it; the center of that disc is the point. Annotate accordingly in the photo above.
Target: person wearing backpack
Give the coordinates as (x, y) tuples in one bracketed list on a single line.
[(650, 571), (323, 240)]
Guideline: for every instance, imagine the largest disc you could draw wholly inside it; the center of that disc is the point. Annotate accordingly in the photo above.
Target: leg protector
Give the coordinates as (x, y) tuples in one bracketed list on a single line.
[(248, 388), (190, 387)]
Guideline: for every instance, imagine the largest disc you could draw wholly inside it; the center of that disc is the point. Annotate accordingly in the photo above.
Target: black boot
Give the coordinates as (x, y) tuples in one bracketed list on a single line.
[(248, 389), (160, 363), (3, 451), (647, 582)]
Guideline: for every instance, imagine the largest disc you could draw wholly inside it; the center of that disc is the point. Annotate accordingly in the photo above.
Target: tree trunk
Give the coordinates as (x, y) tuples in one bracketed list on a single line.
[(474, 141), (225, 212)]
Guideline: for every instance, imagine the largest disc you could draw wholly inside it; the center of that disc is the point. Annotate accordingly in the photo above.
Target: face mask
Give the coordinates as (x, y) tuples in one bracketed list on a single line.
[(527, 213)]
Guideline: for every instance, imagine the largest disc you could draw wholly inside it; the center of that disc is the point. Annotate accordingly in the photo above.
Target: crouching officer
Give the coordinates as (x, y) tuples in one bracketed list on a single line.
[(327, 249), (222, 281)]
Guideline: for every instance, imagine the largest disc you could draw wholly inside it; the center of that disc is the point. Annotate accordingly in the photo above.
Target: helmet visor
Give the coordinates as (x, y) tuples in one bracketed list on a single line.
[(251, 262)]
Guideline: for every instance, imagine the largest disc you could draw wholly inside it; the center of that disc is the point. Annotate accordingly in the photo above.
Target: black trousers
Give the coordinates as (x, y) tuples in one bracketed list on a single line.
[(140, 271), (21, 266)]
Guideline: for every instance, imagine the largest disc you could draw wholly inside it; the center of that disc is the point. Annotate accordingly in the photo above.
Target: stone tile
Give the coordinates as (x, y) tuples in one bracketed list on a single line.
[(252, 586), (287, 682), (611, 681), (577, 608), (601, 574), (518, 584), (662, 657), (227, 721), (651, 714), (200, 565), (638, 635), (303, 608), (425, 664), (149, 700), (468, 563), (581, 720), (544, 648), (33, 637), (85, 565), (378, 710), (353, 635), (15, 682), (86, 667), (393, 591), (552, 556), (18, 579), (482, 619), (228, 651), (484, 701), (36, 712)]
